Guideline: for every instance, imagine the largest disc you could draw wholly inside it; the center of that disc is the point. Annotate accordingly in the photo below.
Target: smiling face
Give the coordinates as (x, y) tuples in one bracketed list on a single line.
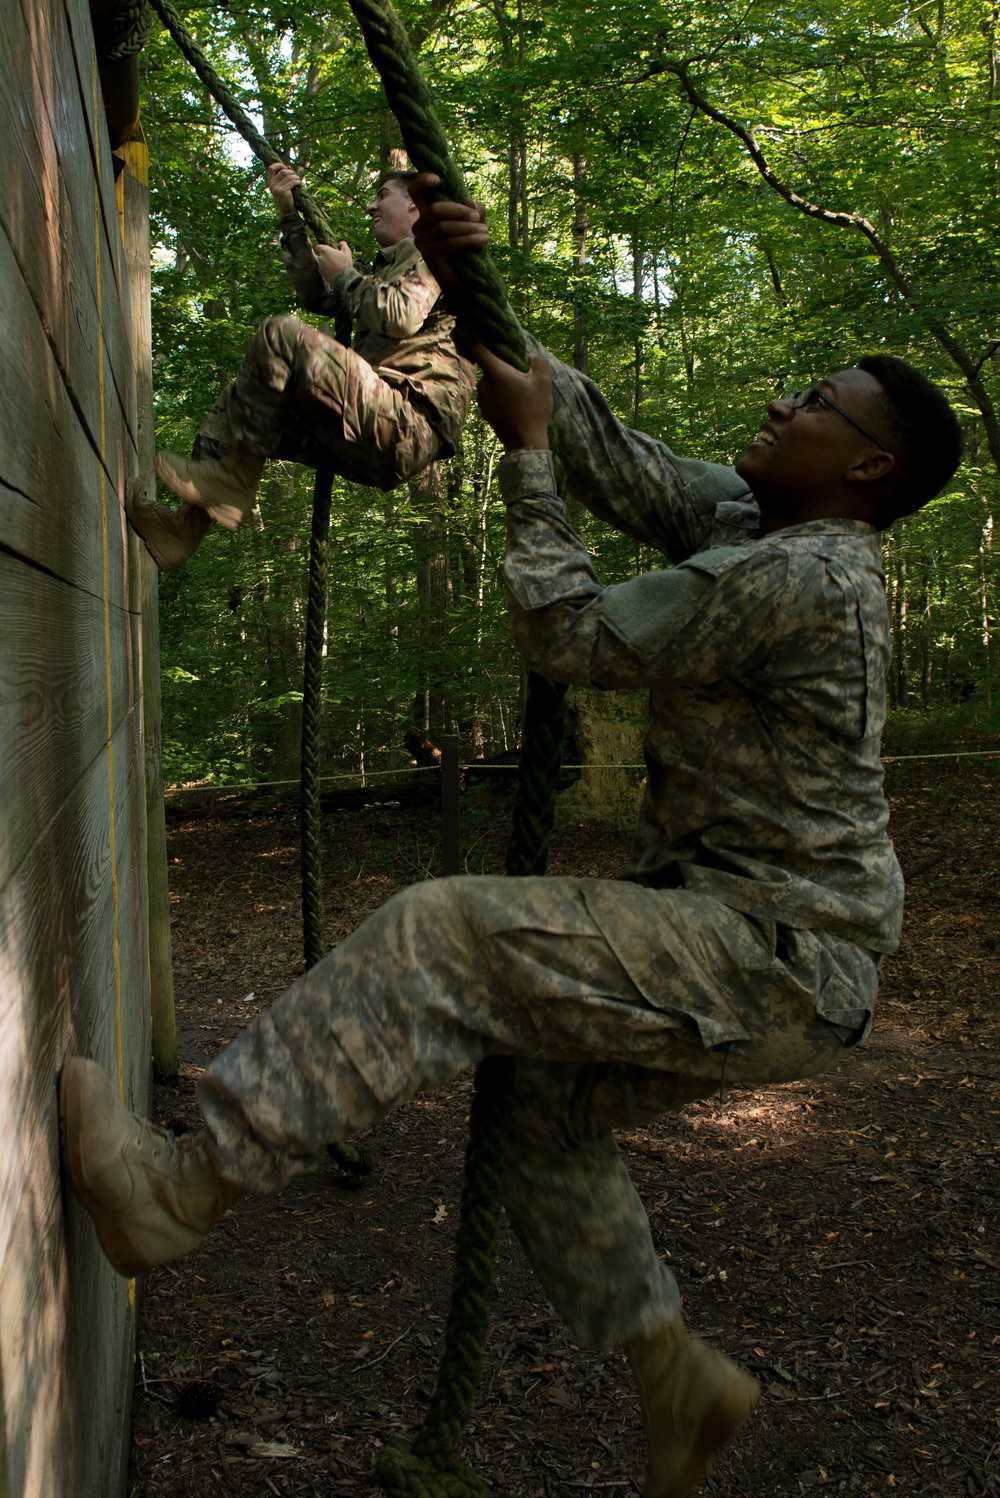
[(809, 462), (392, 212)]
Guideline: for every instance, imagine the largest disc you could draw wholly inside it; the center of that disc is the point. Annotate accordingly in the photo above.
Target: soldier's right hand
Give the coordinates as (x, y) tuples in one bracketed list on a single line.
[(281, 179)]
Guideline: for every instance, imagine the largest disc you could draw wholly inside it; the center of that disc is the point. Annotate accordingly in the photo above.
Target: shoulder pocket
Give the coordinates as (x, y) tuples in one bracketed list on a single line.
[(866, 650), (648, 609)]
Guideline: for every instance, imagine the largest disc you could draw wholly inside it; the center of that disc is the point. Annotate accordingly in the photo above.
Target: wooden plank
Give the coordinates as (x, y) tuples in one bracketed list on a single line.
[(54, 696), (65, 1318), (51, 212), (50, 476), (79, 34), (77, 26), (133, 187), (69, 34)]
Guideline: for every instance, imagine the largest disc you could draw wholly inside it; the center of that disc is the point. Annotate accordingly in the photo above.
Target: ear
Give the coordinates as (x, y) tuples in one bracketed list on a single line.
[(873, 468)]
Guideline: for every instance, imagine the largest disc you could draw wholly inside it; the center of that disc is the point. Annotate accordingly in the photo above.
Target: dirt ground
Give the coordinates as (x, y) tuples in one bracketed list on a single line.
[(838, 1237)]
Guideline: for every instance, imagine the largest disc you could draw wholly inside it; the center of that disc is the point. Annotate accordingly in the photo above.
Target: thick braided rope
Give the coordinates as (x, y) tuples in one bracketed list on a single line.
[(428, 1469), (123, 33), (538, 772), (481, 299), (223, 95), (348, 1156), (313, 942)]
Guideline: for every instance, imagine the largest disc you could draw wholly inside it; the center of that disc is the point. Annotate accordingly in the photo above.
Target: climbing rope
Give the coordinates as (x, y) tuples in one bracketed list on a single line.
[(428, 1468), (313, 940), (480, 299), (122, 33), (312, 684), (309, 209)]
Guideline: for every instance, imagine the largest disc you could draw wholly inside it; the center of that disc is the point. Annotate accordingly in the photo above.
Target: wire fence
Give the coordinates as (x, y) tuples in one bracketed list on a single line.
[(365, 780)]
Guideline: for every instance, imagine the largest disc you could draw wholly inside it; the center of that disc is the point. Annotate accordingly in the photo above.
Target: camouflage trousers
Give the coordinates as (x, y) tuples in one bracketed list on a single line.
[(302, 396), (454, 970)]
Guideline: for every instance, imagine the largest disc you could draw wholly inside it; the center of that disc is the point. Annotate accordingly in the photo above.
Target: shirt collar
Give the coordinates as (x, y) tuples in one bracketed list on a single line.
[(827, 527), (389, 254)]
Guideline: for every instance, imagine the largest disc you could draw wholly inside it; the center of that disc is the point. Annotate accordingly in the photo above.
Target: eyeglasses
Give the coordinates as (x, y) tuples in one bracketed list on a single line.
[(815, 396)]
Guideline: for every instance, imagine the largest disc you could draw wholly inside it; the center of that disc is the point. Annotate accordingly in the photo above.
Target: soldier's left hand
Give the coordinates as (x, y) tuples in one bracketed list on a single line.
[(333, 260), (445, 228)]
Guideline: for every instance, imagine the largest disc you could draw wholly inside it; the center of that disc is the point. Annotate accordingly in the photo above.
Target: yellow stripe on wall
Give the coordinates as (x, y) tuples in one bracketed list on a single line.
[(116, 944)]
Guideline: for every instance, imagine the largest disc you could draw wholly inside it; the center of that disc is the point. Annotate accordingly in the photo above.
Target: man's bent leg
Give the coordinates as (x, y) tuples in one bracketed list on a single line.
[(594, 1256), (444, 974), (302, 395), (254, 418), (452, 970), (370, 429)]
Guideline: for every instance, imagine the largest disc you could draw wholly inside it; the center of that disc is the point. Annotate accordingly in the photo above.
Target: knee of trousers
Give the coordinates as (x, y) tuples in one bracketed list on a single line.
[(278, 337)]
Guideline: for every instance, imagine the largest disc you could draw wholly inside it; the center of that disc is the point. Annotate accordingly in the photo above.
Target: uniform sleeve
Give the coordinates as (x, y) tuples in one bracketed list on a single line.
[(394, 304), (302, 267), (712, 617), (632, 480)]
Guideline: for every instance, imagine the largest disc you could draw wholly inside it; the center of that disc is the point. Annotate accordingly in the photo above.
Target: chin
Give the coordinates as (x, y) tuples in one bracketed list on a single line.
[(746, 465)]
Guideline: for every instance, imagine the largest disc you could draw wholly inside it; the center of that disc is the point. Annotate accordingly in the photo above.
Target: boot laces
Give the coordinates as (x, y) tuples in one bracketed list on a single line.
[(164, 1145)]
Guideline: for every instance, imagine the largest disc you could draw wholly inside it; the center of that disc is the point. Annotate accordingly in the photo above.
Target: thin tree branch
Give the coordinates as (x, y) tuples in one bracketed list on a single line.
[(907, 290)]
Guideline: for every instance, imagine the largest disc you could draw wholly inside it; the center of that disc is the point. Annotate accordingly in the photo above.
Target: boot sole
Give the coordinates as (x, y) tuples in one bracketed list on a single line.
[(118, 1248), (720, 1426)]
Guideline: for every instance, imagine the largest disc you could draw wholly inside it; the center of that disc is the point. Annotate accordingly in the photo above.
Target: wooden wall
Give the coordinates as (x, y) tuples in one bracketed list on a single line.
[(74, 974)]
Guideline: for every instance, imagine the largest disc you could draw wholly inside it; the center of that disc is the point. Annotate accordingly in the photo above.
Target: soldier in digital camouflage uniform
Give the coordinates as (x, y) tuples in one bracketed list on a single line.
[(380, 413), (745, 933)]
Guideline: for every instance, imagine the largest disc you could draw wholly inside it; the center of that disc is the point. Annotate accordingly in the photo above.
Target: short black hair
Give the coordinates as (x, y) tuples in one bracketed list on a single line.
[(923, 430), (405, 177)]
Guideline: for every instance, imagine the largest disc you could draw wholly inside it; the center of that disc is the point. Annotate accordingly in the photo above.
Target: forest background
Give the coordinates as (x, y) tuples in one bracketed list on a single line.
[(700, 205)]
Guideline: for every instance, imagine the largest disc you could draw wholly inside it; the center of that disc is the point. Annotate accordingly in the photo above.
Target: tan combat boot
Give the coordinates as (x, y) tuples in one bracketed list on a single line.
[(170, 536), (225, 488), (694, 1400), (153, 1195)]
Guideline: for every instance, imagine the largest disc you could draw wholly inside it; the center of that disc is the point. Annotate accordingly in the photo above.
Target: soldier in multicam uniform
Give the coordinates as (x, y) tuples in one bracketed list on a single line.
[(746, 932), (380, 413)]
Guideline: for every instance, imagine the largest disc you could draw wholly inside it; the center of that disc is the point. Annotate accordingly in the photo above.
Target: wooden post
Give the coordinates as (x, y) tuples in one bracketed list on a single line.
[(134, 189), (451, 820)]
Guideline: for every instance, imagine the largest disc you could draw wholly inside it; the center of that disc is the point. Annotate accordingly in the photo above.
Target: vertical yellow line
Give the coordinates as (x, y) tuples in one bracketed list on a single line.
[(106, 568)]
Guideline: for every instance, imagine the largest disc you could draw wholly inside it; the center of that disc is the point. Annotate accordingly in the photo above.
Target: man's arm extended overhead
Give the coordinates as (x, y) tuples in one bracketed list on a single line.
[(713, 616), (626, 477)]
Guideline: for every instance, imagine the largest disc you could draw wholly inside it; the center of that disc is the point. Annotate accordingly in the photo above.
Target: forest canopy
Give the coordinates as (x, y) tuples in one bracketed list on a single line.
[(702, 206)]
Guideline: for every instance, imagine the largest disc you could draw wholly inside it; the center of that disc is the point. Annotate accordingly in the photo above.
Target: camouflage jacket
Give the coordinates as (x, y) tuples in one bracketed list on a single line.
[(402, 329), (765, 658)]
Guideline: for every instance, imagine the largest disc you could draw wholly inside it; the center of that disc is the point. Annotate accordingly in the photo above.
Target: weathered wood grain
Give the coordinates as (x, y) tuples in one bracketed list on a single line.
[(77, 27), (52, 215), (65, 1321), (69, 35), (54, 696), (50, 475), (73, 858)]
